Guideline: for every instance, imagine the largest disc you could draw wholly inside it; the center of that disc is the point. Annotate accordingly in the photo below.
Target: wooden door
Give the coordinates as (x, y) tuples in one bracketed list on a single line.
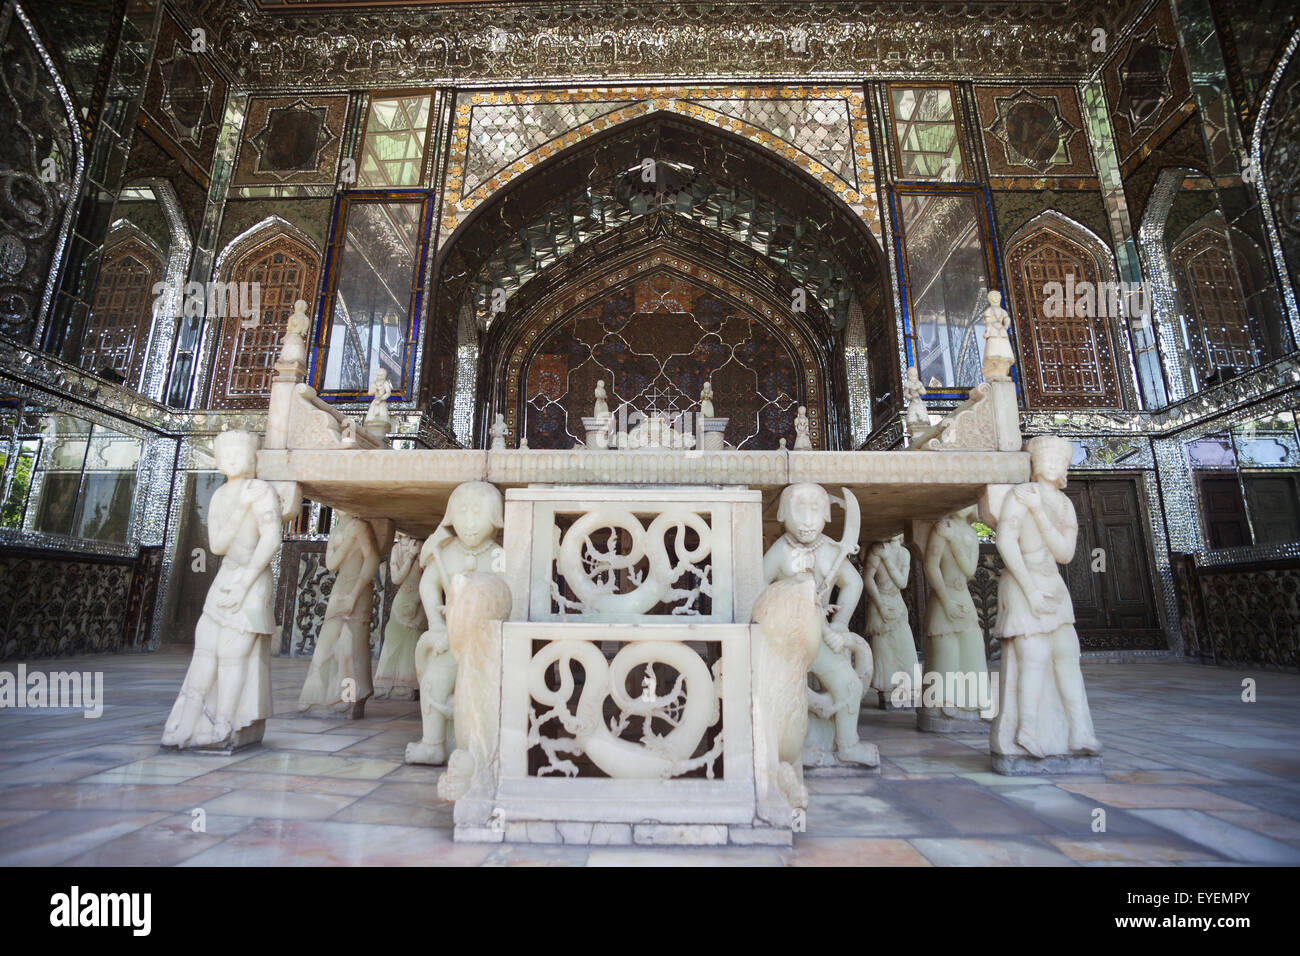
[(1114, 606)]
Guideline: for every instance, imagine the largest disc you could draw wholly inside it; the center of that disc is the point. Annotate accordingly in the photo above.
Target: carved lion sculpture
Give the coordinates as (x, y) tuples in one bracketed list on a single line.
[(790, 618)]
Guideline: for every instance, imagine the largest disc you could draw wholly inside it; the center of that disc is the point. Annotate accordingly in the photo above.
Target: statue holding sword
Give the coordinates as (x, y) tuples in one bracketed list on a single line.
[(843, 662)]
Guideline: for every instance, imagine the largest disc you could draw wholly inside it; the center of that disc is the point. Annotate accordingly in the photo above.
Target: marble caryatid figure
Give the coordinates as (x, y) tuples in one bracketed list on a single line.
[(395, 675), (804, 511), (466, 540), (884, 575), (293, 347), (801, 440), (377, 414), (916, 419), (997, 341), (706, 400), (340, 676), (954, 641), (498, 431), (790, 623), (475, 601), (226, 696), (1043, 706)]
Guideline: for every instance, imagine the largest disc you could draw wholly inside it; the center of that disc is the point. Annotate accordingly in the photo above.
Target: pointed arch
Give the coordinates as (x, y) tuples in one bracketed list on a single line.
[(122, 312), (1066, 360), (841, 252), (1221, 331), (654, 310), (285, 264)]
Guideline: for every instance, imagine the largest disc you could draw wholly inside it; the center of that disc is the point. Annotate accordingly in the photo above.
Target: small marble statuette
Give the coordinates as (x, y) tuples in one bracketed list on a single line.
[(476, 600), (498, 431), (293, 347), (226, 696), (801, 440), (377, 420), (523, 444), (884, 576), (997, 341), (600, 407), (843, 661), (1043, 708), (340, 674), (395, 676), (706, 400), (790, 623), (916, 419), (465, 540), (954, 641)]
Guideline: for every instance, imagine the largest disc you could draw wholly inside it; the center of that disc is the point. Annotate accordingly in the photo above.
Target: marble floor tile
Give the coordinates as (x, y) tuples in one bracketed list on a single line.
[(1152, 797), (62, 834), (683, 856), (1226, 839), (1272, 825), (278, 804), (327, 843), (822, 851), (962, 851), (325, 765), (1129, 849)]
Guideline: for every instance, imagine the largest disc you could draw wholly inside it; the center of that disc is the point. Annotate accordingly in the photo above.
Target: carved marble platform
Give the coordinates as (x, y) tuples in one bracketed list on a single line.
[(411, 486)]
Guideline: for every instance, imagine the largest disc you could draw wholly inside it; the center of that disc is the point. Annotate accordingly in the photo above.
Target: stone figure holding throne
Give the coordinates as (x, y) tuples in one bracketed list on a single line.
[(226, 697), (1043, 707), (465, 540), (805, 510)]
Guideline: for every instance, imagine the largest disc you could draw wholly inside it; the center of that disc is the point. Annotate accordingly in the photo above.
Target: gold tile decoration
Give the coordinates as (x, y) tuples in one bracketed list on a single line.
[(497, 136)]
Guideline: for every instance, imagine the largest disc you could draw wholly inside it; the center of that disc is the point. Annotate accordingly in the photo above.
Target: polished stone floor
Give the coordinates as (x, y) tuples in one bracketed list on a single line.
[(1193, 776)]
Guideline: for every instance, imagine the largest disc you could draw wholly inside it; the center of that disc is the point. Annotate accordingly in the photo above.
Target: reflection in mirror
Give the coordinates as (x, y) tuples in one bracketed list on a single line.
[(925, 130), (374, 290), (69, 477), (134, 261), (1232, 319), (1248, 482), (947, 285)]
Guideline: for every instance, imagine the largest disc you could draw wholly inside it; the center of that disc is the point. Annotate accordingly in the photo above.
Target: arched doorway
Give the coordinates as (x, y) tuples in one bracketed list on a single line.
[(286, 269), (654, 321), (1067, 357), (1221, 332), (554, 225), (117, 331)]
